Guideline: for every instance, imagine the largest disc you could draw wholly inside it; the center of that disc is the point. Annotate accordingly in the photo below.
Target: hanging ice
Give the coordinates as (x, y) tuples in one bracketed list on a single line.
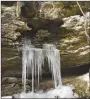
[(32, 62), (53, 57), (33, 59)]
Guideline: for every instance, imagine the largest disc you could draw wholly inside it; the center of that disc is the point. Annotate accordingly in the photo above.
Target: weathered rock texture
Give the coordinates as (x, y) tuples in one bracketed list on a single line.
[(44, 22), (60, 23)]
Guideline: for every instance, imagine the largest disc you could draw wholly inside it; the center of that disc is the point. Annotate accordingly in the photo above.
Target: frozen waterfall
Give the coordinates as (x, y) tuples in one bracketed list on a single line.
[(32, 62)]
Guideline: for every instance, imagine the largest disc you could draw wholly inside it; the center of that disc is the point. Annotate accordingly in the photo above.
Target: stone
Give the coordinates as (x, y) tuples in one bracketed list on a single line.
[(46, 85), (9, 80), (10, 23)]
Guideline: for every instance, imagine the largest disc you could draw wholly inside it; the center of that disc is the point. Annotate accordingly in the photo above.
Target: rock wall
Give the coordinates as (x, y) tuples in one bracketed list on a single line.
[(43, 22), (60, 23)]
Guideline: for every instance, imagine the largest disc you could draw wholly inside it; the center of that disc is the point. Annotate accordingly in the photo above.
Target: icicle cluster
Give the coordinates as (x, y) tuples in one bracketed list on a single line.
[(53, 57), (33, 60)]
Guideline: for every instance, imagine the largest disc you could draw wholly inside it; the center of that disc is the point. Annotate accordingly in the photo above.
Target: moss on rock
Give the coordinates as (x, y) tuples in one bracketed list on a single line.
[(81, 86)]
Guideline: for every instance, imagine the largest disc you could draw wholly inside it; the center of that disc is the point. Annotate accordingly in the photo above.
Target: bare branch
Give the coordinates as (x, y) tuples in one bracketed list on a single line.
[(85, 24)]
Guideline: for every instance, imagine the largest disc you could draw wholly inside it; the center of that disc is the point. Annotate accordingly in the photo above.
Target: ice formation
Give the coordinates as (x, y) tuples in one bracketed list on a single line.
[(32, 62)]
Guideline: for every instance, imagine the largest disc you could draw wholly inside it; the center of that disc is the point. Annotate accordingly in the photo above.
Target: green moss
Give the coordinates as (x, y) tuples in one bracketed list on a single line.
[(58, 5), (80, 86), (73, 11), (48, 6)]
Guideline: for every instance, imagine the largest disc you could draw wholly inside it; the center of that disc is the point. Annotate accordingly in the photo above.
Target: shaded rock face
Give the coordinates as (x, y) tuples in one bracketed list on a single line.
[(30, 9), (45, 10), (8, 3), (31, 12)]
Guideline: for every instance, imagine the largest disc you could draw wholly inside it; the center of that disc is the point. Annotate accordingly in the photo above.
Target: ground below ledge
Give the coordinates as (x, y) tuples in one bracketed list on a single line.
[(12, 85)]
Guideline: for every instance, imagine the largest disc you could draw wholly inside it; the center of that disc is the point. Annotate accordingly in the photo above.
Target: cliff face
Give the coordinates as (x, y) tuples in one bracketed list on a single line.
[(75, 44), (44, 22)]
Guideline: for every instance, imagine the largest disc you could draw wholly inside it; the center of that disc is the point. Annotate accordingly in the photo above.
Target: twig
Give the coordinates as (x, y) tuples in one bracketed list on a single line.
[(85, 24)]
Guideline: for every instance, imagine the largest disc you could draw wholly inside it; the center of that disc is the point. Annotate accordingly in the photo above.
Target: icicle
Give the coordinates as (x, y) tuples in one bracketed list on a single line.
[(32, 78), (24, 61), (33, 60), (53, 57)]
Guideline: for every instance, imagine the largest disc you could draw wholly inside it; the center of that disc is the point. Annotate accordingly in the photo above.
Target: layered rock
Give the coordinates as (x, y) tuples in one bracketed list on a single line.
[(44, 22), (76, 43), (9, 24)]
